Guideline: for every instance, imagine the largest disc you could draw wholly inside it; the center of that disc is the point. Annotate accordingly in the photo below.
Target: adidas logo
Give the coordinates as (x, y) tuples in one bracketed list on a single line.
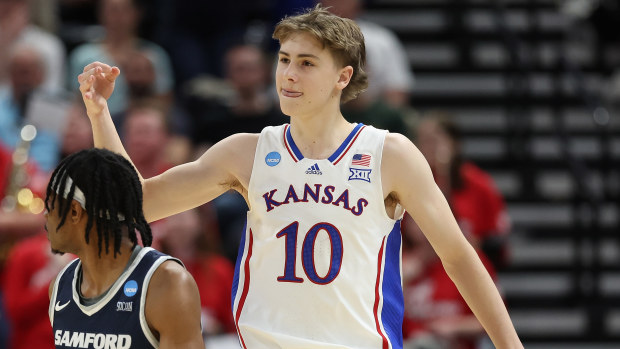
[(314, 169)]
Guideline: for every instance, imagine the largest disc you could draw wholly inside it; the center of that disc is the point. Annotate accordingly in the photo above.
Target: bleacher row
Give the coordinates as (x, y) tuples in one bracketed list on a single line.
[(505, 70)]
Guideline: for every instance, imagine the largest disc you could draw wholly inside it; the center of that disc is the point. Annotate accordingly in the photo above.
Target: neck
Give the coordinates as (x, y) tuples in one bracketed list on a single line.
[(99, 273), (319, 137)]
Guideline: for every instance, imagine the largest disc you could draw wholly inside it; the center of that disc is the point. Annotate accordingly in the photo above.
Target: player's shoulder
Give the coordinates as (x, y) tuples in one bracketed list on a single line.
[(396, 144), (170, 270), (241, 139), (235, 146), (170, 279), (399, 153)]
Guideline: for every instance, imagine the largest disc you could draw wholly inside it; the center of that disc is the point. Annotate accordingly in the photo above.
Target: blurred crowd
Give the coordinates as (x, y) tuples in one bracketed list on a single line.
[(191, 76)]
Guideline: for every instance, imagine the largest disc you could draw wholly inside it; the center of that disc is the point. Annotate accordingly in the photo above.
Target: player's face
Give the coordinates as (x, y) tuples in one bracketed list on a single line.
[(306, 77), (60, 239)]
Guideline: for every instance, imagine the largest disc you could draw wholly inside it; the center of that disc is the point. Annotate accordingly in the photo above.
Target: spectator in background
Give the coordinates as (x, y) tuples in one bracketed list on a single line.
[(26, 75), (28, 272), (16, 29), (15, 225), (475, 201), (390, 77), (436, 315), (242, 102), (145, 135), (120, 19), (192, 237), (384, 103), (77, 134), (197, 34), (141, 80)]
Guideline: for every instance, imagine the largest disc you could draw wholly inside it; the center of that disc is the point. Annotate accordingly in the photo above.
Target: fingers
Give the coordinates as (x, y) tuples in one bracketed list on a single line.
[(97, 73), (113, 74), (105, 67), (101, 70), (86, 81)]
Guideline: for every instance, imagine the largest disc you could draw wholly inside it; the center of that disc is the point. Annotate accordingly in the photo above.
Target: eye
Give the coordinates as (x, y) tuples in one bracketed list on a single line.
[(308, 63), (284, 60)]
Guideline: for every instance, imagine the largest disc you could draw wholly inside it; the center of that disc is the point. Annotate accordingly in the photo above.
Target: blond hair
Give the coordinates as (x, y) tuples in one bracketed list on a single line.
[(341, 36)]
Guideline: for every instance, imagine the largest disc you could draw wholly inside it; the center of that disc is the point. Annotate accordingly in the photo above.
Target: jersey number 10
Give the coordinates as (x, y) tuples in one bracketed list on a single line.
[(307, 253)]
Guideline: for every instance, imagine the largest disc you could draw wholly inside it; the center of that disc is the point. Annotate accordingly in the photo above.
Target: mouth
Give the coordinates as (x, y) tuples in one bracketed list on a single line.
[(290, 93)]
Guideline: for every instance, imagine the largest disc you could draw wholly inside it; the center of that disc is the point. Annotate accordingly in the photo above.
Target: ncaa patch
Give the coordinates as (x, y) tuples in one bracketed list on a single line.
[(360, 174), (130, 288), (272, 159)]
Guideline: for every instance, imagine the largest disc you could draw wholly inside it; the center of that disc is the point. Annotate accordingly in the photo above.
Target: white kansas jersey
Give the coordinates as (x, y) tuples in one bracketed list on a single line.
[(319, 264)]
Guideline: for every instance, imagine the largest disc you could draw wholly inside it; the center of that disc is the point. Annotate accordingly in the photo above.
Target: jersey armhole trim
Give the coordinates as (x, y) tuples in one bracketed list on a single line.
[(145, 286), (399, 210)]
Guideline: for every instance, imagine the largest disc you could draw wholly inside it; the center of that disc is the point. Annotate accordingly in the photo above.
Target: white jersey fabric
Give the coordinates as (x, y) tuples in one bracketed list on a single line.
[(319, 264)]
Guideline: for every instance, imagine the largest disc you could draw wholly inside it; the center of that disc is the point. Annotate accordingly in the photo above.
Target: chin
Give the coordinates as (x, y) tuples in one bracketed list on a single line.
[(288, 108), (58, 252)]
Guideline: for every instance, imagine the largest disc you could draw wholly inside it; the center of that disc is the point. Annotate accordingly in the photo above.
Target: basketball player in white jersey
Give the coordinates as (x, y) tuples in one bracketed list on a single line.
[(319, 265)]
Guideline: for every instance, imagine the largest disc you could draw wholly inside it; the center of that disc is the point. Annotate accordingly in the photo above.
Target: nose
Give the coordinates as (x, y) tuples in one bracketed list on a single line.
[(290, 73)]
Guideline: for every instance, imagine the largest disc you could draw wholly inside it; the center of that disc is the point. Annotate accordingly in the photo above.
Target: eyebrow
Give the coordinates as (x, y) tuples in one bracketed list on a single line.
[(301, 55)]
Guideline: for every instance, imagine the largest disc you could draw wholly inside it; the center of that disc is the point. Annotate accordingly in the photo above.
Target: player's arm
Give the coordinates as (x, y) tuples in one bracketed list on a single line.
[(408, 177), (224, 166), (173, 307)]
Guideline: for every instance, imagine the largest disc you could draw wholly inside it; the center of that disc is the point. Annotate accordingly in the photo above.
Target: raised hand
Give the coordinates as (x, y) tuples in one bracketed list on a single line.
[(96, 85)]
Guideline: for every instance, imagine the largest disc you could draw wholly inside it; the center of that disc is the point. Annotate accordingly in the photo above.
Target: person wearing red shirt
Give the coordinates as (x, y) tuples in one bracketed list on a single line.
[(28, 271), (475, 201), (436, 315), (192, 237)]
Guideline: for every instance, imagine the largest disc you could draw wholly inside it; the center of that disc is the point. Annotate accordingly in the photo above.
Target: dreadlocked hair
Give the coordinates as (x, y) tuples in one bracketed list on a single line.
[(112, 190)]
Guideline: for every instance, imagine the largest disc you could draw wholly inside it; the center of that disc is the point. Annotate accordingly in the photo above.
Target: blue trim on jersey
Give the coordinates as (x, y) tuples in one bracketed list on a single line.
[(346, 142), (240, 253), (393, 302), (294, 147), (335, 155)]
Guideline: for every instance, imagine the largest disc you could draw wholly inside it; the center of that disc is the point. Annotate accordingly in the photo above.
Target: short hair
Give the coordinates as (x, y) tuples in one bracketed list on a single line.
[(341, 36), (112, 192)]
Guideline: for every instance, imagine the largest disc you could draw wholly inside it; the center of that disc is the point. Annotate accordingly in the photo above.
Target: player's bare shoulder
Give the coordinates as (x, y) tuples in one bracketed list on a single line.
[(401, 159), (235, 154)]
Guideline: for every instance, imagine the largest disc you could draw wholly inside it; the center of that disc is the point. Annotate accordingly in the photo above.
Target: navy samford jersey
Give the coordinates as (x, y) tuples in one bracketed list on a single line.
[(116, 321)]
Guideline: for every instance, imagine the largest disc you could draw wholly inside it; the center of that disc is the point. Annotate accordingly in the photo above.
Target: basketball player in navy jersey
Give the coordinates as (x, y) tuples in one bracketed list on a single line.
[(319, 262), (116, 294)]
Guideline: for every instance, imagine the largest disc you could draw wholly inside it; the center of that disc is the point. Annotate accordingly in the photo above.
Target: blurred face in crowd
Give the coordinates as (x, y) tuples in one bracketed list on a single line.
[(26, 71), (344, 8), (77, 135), (8, 8), (145, 135), (180, 231), (246, 69), (140, 75), (435, 143), (119, 17)]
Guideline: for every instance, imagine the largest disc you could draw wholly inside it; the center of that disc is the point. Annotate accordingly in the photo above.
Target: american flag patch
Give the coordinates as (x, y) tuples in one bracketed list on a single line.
[(361, 160)]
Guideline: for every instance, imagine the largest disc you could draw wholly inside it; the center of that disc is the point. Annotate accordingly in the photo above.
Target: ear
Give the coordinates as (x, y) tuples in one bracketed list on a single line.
[(76, 212), (344, 77)]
